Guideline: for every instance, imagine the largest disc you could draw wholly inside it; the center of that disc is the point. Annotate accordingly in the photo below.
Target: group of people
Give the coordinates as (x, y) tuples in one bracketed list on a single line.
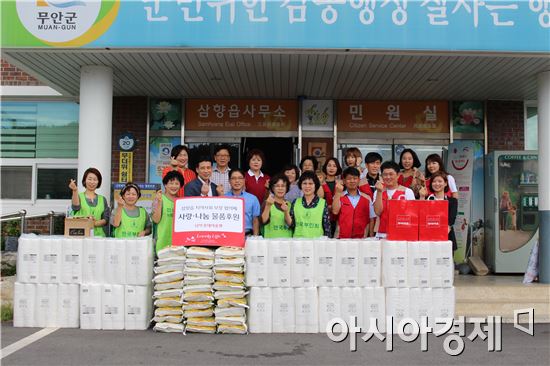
[(300, 202)]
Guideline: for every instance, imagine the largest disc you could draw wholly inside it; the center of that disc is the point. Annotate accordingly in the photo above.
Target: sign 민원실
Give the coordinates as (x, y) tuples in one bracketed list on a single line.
[(211, 221), (452, 25), (393, 116)]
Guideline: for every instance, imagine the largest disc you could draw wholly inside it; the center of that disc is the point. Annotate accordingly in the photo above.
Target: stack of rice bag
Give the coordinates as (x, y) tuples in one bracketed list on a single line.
[(229, 290), (198, 299), (168, 280)]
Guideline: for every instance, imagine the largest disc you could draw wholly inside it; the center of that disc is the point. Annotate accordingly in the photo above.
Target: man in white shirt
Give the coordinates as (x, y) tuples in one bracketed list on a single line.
[(220, 173), (387, 189)]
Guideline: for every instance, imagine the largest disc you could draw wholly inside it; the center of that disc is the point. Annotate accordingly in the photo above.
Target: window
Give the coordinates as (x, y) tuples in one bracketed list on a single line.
[(53, 183), (531, 127), (39, 149), (32, 179), (39, 130), (16, 182)]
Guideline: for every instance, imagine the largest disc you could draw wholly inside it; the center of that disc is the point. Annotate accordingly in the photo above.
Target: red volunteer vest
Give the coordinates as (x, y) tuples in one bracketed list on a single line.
[(405, 182), (365, 188), (329, 199), (353, 222)]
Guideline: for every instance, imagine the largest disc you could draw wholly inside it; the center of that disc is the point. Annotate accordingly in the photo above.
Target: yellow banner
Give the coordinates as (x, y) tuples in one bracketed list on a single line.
[(125, 166)]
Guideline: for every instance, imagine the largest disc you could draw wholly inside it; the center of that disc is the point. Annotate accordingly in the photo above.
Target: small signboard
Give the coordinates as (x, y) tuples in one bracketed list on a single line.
[(209, 221)]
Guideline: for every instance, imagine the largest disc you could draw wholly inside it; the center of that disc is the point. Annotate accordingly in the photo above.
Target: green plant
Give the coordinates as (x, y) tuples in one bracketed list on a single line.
[(59, 225), (7, 312), (10, 228), (8, 271)]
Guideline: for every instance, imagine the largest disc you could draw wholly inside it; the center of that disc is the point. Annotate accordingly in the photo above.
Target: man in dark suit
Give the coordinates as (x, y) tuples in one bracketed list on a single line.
[(202, 186)]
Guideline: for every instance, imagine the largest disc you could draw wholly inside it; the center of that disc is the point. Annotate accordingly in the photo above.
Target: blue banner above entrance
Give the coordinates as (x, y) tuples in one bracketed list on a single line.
[(439, 25)]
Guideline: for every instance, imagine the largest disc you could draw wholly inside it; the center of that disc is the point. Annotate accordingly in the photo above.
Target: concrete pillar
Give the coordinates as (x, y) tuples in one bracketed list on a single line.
[(95, 124), (543, 96)]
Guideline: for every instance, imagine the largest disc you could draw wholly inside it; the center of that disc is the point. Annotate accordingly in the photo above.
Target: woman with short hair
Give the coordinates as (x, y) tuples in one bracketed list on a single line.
[(89, 203), (310, 216), (129, 220), (179, 161), (276, 210)]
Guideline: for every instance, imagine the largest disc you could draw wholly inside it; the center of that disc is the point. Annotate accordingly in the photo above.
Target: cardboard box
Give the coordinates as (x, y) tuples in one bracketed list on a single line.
[(79, 226)]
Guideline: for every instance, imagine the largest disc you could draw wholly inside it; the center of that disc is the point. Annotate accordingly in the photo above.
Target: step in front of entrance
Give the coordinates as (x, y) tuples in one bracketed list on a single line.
[(483, 296)]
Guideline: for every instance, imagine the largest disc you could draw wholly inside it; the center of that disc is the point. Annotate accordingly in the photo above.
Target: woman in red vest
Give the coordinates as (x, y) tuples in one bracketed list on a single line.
[(352, 207), (434, 163), (256, 182), (439, 186), (332, 170), (410, 175)]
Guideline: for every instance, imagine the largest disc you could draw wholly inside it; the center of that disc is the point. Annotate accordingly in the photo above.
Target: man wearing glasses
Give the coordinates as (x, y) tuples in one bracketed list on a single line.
[(251, 203), (387, 188), (220, 173)]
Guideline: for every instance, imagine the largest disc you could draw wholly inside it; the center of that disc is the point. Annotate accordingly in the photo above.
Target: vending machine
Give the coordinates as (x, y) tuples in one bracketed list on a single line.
[(511, 209)]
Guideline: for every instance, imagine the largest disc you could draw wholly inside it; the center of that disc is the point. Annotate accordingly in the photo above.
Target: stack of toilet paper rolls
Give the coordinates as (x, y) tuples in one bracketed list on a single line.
[(198, 295), (91, 283), (300, 285), (168, 293), (230, 290)]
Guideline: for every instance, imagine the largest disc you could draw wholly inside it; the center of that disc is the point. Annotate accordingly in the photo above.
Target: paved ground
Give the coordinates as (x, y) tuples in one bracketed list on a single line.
[(86, 347)]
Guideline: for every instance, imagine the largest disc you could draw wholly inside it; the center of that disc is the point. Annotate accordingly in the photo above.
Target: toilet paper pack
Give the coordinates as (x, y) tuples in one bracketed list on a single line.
[(28, 259), (443, 306), (279, 266), (46, 305), (115, 261), (256, 255), (347, 263), (370, 263), (419, 268), (50, 259), (90, 306), (71, 260), (394, 263), (351, 303), (374, 309), (302, 264), (329, 307), (260, 311), (325, 263), (442, 263), (397, 307), (139, 261), (93, 260), (138, 307), (24, 301), (112, 307), (306, 310), (68, 305), (283, 312)]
